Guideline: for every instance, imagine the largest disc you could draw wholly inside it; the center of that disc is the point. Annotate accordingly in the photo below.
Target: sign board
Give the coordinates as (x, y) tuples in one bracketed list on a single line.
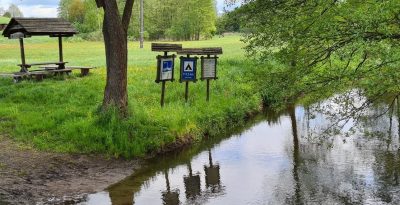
[(167, 65), (208, 68), (188, 69), (165, 68), (17, 35)]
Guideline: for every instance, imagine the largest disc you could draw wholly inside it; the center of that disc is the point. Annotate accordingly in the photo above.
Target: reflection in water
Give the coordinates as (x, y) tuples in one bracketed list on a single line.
[(324, 154), (192, 184), (213, 179), (296, 155), (170, 197)]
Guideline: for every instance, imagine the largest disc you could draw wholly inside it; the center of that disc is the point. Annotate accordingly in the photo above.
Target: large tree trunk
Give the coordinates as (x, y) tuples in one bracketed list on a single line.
[(116, 46), (115, 40)]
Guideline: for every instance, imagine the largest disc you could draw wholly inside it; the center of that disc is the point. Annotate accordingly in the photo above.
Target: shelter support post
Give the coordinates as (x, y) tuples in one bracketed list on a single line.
[(23, 62), (60, 53)]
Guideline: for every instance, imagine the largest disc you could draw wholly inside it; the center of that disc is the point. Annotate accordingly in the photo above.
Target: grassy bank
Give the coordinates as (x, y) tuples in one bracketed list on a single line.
[(62, 114)]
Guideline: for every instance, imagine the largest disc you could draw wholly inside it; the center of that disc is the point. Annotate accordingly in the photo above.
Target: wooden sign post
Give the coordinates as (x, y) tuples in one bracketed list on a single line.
[(208, 64), (209, 71), (188, 72), (165, 65)]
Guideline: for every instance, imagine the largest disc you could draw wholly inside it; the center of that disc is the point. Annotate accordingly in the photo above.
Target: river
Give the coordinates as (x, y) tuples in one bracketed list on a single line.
[(339, 151)]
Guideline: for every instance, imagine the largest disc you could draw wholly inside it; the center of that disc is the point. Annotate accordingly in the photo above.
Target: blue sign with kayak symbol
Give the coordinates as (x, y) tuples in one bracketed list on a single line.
[(167, 66)]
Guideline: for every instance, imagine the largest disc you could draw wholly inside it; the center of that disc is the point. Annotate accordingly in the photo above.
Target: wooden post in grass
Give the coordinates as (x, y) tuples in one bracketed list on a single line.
[(187, 91), (208, 90), (165, 65), (188, 70)]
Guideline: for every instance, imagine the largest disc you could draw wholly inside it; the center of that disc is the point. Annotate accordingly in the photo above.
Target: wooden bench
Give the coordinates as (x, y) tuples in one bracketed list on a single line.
[(38, 75), (84, 70), (18, 76)]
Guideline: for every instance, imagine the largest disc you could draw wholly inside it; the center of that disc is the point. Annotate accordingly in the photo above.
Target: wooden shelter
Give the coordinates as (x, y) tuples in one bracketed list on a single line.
[(20, 28)]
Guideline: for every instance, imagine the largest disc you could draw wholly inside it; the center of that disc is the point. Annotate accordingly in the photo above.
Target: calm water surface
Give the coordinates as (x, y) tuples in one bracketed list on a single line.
[(336, 152)]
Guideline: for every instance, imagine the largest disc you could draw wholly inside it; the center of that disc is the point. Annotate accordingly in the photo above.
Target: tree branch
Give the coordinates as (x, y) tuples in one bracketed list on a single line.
[(99, 3), (126, 17)]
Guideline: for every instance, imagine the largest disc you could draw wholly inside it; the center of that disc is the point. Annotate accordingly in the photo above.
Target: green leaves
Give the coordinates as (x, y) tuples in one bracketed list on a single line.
[(328, 45)]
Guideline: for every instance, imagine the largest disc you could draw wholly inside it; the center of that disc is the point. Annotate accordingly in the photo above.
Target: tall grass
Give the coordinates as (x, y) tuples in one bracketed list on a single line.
[(62, 115)]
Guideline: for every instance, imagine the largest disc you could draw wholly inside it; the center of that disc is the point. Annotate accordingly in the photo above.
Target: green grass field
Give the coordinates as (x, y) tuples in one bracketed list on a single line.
[(4, 20), (62, 115)]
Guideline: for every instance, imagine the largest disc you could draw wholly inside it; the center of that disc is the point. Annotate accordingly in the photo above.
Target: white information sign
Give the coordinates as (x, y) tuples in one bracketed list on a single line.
[(166, 69), (209, 67)]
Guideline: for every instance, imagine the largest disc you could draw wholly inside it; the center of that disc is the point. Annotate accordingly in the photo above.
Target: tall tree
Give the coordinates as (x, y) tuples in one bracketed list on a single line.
[(15, 11), (2, 11), (115, 31), (63, 9), (76, 11)]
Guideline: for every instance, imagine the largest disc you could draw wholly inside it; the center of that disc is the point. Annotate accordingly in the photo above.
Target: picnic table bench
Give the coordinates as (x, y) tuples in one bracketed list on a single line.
[(84, 70), (18, 76)]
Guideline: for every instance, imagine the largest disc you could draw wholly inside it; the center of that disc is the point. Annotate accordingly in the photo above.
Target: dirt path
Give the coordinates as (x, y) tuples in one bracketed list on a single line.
[(31, 177)]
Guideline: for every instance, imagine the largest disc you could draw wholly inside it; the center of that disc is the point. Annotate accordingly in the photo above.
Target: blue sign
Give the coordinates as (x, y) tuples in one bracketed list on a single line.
[(167, 66), (189, 70)]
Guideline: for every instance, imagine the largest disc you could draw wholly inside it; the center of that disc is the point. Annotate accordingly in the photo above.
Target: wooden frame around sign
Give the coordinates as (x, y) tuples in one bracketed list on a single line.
[(215, 68), (159, 59), (195, 59)]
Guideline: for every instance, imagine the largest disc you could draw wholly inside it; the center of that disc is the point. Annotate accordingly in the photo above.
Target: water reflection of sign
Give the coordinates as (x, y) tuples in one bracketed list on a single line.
[(170, 197), (192, 186), (209, 68), (212, 175), (166, 69), (188, 69), (213, 178)]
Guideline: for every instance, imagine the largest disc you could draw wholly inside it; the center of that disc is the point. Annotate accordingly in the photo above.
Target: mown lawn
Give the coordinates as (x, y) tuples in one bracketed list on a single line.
[(4, 20), (62, 115)]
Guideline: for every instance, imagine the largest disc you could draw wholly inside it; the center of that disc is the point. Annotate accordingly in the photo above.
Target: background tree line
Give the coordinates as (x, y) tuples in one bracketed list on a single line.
[(12, 11), (164, 19)]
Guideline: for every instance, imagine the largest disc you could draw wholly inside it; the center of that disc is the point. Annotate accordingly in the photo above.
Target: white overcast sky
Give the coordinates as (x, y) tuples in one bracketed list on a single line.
[(48, 8)]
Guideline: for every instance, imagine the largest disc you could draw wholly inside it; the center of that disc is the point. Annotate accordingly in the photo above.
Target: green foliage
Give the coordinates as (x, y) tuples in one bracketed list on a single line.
[(326, 46), (7, 15), (63, 115), (231, 22), (84, 15), (13, 11), (164, 19)]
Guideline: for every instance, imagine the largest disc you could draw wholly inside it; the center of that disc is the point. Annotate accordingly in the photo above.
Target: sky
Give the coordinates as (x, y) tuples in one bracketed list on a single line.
[(48, 8)]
